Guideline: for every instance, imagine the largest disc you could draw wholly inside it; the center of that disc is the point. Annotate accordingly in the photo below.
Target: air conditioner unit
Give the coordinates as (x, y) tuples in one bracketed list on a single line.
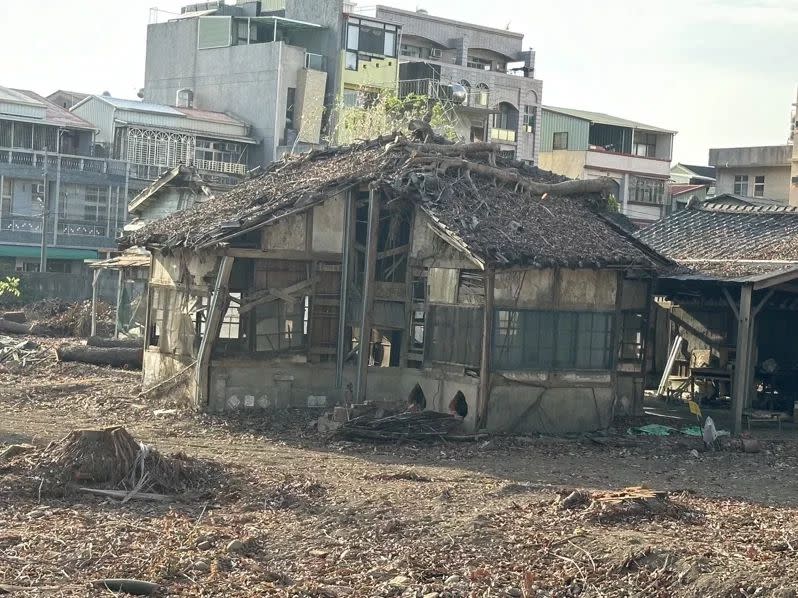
[(435, 53)]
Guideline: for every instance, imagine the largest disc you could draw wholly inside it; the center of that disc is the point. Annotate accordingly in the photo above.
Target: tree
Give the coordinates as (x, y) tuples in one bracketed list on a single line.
[(383, 113), (9, 286)]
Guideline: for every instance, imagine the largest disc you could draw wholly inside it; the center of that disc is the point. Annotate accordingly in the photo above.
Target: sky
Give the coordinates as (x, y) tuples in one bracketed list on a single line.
[(720, 72)]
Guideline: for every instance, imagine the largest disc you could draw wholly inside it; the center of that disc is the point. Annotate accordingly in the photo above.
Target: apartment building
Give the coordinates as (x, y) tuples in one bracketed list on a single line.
[(483, 76), (269, 64), (153, 138), (53, 191), (753, 172), (582, 145)]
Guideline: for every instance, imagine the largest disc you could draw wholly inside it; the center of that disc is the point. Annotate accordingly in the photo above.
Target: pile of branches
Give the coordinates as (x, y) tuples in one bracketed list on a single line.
[(20, 352), (46, 308), (74, 319), (111, 458), (419, 425)]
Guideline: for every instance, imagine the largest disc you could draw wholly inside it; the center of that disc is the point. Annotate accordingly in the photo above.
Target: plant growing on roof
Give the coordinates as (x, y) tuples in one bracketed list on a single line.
[(384, 113)]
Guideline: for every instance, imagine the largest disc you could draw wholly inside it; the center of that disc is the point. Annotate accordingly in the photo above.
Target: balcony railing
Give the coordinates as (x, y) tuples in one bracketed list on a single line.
[(82, 229), (33, 224), (35, 159), (226, 167), (507, 135), (21, 224), (433, 88)]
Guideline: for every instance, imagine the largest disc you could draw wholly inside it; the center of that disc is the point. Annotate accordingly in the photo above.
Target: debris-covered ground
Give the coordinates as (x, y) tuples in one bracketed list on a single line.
[(272, 509)]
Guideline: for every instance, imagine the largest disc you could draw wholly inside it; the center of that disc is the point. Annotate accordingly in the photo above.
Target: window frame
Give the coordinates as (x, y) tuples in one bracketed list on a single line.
[(759, 186), (544, 340), (559, 146), (740, 185), (353, 42)]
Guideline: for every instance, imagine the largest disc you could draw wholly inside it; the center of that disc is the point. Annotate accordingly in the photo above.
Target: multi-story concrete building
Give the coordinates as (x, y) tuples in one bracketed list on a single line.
[(152, 138), (52, 189), (272, 64), (582, 145), (757, 172), (502, 97)]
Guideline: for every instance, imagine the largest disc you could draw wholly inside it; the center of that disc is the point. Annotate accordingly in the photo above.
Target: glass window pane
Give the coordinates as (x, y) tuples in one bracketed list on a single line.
[(352, 37), (389, 44)]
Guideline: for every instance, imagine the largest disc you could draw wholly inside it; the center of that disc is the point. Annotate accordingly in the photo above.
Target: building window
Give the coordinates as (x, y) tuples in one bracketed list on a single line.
[(281, 326), (483, 94), (218, 151), (95, 208), (741, 184), (560, 141), (231, 322), (455, 334), (645, 145), (759, 186), (643, 190), (5, 196), (530, 118), (159, 148), (550, 340), (483, 64), (370, 37), (411, 51)]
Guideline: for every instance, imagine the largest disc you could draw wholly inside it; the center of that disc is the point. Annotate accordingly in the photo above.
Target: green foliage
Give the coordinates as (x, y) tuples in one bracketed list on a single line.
[(9, 286), (612, 204), (386, 113)]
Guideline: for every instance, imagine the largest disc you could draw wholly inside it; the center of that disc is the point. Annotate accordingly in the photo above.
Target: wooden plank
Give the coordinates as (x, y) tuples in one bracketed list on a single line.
[(268, 295), (732, 303), (280, 254), (212, 327), (666, 373), (485, 357), (368, 296), (742, 360)]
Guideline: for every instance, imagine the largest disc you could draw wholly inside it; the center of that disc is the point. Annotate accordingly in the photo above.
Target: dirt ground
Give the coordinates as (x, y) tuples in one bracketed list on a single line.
[(299, 515)]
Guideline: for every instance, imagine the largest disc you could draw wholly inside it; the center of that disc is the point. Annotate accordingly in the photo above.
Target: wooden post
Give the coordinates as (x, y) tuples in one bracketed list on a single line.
[(344, 300), (368, 296), (213, 324), (485, 355), (120, 283), (95, 280), (742, 359)]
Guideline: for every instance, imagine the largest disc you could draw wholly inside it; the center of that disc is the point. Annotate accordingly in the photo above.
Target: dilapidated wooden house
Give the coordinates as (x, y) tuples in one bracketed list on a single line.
[(503, 292)]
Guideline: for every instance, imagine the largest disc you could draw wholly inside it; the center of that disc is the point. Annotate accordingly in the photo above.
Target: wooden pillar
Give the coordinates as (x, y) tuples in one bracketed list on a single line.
[(368, 295), (485, 354), (213, 325), (340, 355), (743, 364), (119, 285), (94, 290)]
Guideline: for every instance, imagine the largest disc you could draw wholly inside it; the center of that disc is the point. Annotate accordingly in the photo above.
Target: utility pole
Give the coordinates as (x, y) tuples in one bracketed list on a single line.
[(43, 258)]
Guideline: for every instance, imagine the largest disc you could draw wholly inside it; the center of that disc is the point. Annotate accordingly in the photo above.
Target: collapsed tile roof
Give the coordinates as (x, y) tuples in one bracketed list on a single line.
[(728, 241), (502, 211)]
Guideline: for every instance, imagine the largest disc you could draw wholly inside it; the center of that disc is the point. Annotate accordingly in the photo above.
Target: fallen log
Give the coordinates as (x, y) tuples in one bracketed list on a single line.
[(125, 495), (101, 341), (128, 586), (14, 327), (14, 316), (113, 356)]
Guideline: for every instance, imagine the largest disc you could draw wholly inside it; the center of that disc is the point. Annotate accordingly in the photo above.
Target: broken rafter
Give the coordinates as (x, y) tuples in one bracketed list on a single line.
[(511, 176), (268, 295)]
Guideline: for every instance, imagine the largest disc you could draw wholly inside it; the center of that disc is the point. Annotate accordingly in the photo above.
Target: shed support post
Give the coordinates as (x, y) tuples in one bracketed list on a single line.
[(342, 307), (119, 284), (742, 365), (368, 296), (485, 354), (213, 324), (94, 284)]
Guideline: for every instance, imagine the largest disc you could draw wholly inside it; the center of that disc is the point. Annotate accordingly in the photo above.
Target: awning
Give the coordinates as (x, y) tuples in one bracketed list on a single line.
[(53, 253)]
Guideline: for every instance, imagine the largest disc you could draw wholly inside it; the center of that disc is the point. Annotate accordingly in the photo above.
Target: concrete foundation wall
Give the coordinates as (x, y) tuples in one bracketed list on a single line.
[(240, 384)]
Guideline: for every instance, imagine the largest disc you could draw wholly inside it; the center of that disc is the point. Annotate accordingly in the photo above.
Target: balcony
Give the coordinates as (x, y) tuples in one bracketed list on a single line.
[(502, 135), (600, 159), (434, 89), (224, 167), (74, 233), (36, 160)]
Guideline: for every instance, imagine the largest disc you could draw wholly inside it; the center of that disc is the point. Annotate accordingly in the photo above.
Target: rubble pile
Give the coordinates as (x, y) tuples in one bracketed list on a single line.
[(411, 425)]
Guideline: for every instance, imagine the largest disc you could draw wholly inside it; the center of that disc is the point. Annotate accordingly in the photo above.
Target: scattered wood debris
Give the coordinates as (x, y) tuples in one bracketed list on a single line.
[(412, 425)]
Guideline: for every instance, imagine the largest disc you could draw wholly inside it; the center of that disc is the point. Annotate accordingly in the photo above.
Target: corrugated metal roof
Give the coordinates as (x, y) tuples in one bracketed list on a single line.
[(606, 119), (55, 115), (17, 97), (139, 106)]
